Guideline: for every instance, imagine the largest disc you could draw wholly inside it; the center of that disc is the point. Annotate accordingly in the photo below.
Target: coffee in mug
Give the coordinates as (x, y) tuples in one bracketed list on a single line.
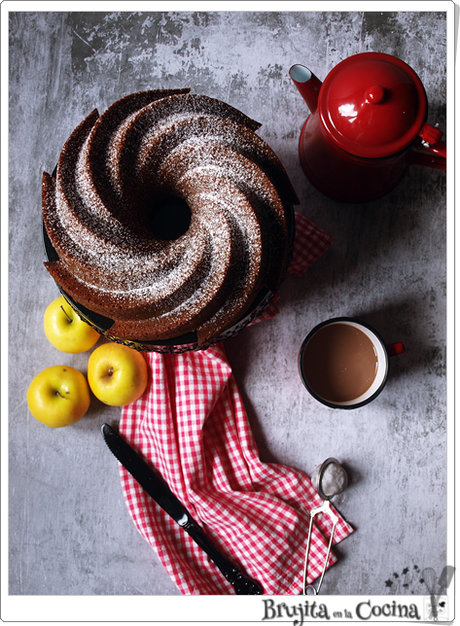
[(344, 362)]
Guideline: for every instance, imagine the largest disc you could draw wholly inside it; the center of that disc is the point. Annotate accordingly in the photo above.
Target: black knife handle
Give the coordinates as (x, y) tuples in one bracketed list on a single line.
[(156, 487), (243, 585)]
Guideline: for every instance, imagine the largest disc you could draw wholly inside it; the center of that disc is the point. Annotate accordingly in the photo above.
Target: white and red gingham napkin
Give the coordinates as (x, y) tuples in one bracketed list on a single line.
[(191, 425)]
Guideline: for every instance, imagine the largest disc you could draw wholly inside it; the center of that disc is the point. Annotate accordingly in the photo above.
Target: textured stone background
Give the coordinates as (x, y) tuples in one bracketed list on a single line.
[(70, 532)]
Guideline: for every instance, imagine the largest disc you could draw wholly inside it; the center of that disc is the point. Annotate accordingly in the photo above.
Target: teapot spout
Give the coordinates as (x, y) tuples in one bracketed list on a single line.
[(307, 84)]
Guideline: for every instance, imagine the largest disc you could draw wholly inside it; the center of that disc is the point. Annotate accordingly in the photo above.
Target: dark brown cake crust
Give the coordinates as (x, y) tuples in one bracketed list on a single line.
[(148, 152)]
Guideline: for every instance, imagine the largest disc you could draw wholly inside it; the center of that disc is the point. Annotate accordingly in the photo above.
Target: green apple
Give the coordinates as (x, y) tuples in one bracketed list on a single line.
[(65, 329), (58, 396), (117, 375)]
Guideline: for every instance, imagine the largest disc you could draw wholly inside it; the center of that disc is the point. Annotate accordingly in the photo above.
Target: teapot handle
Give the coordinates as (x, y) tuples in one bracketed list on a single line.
[(429, 150), (429, 157)]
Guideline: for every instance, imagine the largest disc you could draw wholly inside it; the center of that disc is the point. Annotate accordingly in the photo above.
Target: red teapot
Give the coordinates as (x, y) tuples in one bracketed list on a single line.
[(367, 125)]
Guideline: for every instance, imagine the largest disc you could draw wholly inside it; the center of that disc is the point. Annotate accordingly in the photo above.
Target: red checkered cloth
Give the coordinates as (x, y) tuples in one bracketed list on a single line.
[(191, 425)]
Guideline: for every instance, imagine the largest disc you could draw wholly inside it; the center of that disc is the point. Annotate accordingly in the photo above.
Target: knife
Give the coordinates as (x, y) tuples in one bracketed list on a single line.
[(157, 489)]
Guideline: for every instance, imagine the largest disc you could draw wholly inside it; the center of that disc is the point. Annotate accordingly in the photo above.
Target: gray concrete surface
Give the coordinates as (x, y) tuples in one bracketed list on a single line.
[(69, 529)]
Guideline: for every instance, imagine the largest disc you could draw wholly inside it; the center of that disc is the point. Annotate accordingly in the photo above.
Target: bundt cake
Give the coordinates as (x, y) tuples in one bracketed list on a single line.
[(167, 215)]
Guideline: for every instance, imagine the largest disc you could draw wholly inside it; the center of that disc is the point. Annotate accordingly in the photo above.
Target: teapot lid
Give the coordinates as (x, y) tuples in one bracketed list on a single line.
[(372, 104)]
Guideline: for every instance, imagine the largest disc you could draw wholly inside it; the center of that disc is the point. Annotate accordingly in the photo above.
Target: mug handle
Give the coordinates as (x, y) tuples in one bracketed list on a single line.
[(396, 348)]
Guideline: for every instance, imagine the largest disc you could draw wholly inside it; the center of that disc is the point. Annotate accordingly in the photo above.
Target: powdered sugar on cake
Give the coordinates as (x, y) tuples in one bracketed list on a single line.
[(116, 170)]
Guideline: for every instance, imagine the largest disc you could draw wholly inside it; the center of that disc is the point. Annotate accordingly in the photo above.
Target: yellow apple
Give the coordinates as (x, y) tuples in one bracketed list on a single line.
[(117, 375), (65, 329), (58, 396)]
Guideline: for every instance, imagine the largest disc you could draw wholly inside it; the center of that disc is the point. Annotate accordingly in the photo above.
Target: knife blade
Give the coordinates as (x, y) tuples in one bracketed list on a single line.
[(151, 481)]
